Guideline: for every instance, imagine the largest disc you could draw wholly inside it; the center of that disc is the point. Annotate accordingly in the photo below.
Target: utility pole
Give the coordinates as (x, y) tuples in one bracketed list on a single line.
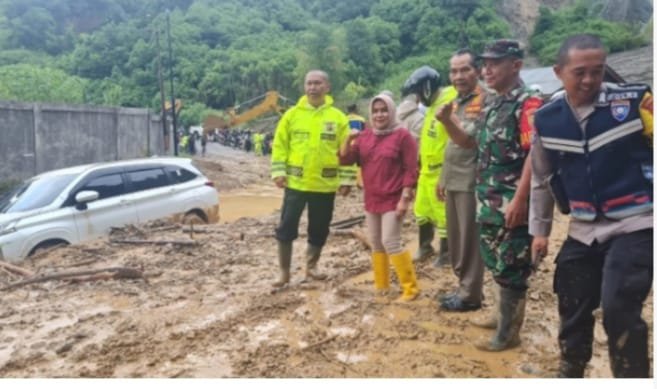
[(173, 99), (160, 83)]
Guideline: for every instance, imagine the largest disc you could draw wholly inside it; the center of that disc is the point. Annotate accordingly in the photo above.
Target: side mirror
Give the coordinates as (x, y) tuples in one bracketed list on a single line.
[(86, 196)]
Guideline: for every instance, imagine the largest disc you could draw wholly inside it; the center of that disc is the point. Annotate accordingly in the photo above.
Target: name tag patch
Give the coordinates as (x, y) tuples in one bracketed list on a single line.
[(622, 96)]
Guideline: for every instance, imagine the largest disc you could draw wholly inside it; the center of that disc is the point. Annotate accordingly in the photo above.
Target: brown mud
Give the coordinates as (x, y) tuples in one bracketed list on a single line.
[(209, 310)]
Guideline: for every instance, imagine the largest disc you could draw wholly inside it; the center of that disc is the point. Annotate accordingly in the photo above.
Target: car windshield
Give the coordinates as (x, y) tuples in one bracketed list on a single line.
[(34, 193)]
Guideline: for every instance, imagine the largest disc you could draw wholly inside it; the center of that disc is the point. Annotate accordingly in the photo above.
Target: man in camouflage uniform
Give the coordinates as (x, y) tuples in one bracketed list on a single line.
[(502, 186)]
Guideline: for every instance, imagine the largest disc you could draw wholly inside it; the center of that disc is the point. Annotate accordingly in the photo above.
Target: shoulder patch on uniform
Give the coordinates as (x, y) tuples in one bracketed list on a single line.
[(620, 109), (529, 107)]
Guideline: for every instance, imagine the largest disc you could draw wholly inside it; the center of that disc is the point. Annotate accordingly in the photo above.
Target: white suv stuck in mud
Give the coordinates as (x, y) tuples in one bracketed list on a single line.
[(84, 202)]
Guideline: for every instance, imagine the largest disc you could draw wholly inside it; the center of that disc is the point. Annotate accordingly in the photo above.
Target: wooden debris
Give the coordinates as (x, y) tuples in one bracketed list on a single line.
[(321, 342), (354, 221), (84, 263), (16, 269), (77, 276), (155, 242), (164, 228), (360, 236), (353, 233)]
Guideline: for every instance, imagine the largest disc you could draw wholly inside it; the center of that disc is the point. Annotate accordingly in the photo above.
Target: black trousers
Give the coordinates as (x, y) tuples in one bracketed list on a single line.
[(320, 213), (617, 273)]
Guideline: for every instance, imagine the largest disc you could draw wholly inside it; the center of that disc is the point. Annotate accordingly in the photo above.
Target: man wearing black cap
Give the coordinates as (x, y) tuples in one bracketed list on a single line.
[(502, 185)]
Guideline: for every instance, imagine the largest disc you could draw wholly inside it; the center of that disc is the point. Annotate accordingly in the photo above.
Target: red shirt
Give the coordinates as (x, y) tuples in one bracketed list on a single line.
[(388, 164)]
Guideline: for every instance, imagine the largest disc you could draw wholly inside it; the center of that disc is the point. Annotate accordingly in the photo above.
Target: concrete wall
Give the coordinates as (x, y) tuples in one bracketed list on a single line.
[(16, 141), (39, 137)]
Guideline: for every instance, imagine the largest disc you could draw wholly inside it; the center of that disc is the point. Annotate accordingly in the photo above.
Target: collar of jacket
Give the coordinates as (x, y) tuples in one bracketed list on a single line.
[(475, 92), (515, 92), (303, 103), (600, 99)]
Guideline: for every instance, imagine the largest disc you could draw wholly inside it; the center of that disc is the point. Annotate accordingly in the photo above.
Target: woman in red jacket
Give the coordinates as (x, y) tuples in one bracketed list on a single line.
[(387, 155)]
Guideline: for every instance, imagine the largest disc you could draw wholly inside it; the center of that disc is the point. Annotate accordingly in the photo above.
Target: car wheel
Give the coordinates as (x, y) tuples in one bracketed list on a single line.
[(193, 218), (46, 246)]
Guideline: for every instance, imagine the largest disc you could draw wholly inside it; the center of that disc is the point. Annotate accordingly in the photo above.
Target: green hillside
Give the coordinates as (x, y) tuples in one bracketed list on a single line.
[(104, 52)]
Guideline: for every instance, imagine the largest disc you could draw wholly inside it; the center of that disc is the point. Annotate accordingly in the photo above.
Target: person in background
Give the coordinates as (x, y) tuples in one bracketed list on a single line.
[(204, 143), (356, 122), (305, 164), (257, 143), (387, 155), (429, 210), (408, 112), (594, 154)]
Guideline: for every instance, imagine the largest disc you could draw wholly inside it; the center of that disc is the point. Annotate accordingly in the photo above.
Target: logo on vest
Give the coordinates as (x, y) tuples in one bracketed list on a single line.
[(620, 109)]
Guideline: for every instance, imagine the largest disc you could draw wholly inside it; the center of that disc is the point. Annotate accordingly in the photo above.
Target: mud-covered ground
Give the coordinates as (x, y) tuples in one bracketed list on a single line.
[(206, 309)]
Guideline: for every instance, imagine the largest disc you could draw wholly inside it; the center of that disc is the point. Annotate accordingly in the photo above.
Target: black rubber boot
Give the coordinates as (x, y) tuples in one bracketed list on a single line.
[(312, 257), (569, 369), (512, 315), (284, 261), (443, 254), (425, 249)]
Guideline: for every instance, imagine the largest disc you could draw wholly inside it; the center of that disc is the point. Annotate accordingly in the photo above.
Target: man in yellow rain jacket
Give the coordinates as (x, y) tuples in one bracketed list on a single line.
[(305, 163), (429, 211), (257, 143)]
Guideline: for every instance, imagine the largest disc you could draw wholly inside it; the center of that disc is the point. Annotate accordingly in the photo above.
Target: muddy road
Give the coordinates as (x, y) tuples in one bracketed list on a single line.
[(207, 309)]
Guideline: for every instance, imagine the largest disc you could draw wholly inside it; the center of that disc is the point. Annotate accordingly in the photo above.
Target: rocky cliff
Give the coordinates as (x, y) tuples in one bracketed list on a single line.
[(523, 14)]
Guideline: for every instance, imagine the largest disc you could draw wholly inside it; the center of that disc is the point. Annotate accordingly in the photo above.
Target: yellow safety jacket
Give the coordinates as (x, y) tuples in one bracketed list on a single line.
[(433, 142), (305, 148), (183, 141), (433, 138)]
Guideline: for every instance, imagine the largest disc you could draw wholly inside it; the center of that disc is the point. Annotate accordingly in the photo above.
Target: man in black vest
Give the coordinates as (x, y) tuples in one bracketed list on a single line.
[(593, 153)]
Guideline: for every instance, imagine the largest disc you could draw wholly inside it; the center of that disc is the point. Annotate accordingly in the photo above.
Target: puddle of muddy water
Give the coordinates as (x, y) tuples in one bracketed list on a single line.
[(235, 206)]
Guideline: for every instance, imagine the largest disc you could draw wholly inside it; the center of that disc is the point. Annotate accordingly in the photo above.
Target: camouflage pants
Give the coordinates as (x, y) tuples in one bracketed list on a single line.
[(507, 254)]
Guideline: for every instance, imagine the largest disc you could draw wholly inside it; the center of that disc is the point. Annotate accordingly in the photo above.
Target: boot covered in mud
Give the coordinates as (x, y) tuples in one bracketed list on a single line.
[(569, 369), (511, 316), (405, 270), (284, 261), (381, 270), (442, 259), (490, 319), (312, 257), (425, 249)]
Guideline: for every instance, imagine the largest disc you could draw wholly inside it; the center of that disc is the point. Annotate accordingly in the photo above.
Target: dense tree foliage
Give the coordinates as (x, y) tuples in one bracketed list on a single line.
[(106, 52), (553, 26)]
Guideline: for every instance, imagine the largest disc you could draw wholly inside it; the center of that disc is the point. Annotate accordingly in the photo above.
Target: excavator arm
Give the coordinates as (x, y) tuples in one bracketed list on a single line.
[(270, 103)]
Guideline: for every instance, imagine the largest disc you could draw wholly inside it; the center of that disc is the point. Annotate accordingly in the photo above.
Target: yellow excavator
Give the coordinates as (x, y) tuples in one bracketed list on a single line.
[(272, 102)]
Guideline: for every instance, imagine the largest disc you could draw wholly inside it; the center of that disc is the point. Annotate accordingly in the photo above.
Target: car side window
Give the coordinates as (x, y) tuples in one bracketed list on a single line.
[(179, 175), (107, 186), (148, 179)]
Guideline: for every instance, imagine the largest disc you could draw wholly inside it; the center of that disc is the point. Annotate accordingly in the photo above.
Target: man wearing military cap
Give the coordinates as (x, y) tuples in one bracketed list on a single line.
[(502, 185)]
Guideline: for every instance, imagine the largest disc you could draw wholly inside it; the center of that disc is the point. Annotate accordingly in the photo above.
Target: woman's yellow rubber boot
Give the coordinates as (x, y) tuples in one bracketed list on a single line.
[(381, 270), (406, 274)]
